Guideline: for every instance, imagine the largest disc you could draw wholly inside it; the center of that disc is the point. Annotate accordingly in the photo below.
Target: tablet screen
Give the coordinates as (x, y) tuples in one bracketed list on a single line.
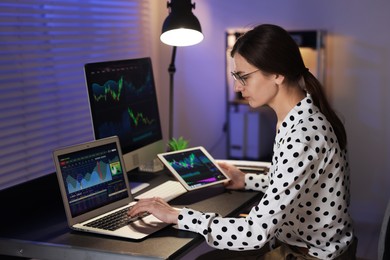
[(193, 167)]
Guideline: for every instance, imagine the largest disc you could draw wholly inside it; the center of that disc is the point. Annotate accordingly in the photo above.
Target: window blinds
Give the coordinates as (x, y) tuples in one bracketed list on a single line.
[(43, 47)]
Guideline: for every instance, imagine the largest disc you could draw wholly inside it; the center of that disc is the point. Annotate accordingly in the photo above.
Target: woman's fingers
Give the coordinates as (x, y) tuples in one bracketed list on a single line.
[(157, 207)]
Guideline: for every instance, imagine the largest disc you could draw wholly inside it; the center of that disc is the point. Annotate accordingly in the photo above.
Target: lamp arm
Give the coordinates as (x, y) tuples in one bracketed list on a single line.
[(171, 70)]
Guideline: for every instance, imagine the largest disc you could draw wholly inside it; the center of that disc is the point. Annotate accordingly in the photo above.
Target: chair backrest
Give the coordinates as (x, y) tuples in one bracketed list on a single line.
[(384, 236)]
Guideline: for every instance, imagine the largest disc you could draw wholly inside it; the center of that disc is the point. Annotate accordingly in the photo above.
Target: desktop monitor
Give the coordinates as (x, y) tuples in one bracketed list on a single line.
[(123, 102)]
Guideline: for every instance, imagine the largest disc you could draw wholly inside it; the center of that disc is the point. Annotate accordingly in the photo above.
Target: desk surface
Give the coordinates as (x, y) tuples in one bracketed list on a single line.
[(45, 234)]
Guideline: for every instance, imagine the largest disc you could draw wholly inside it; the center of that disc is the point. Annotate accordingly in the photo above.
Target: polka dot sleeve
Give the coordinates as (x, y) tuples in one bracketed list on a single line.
[(224, 233), (195, 221), (258, 182)]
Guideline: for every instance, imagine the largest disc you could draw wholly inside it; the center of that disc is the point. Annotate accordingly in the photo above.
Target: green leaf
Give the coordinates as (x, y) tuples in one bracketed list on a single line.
[(178, 144)]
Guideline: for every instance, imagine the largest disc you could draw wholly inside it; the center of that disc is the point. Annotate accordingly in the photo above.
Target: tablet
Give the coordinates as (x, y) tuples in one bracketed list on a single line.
[(194, 168)]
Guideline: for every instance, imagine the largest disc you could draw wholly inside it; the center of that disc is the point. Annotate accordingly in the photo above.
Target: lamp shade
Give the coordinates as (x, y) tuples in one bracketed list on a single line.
[(181, 27)]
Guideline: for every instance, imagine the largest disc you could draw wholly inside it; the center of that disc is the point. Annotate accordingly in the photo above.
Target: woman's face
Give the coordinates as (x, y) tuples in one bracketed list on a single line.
[(259, 89)]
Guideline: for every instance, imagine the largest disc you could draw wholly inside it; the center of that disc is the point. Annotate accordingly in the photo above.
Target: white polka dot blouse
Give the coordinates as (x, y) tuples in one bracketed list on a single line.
[(306, 194)]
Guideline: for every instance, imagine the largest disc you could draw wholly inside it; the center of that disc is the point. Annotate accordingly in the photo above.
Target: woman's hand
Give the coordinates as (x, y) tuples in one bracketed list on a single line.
[(157, 207), (237, 177)]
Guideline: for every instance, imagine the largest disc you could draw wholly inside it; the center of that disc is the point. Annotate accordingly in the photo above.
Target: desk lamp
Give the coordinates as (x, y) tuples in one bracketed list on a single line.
[(181, 28)]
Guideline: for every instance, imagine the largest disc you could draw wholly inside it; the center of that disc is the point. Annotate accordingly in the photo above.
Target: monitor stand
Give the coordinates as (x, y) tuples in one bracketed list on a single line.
[(153, 166)]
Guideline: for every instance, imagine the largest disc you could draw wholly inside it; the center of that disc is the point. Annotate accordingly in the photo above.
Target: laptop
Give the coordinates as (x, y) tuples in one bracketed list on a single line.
[(94, 187)]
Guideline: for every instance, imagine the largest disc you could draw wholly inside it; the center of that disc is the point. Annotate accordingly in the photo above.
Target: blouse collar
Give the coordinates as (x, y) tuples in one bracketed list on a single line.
[(303, 109)]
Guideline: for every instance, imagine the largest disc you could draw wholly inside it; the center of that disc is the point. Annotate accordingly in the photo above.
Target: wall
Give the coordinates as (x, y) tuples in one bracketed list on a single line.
[(357, 80)]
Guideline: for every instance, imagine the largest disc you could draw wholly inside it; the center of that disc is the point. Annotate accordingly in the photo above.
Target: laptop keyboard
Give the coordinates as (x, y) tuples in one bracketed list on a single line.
[(114, 220), (167, 190)]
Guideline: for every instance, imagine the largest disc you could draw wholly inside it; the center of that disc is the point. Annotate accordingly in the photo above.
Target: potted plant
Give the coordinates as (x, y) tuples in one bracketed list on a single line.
[(177, 144)]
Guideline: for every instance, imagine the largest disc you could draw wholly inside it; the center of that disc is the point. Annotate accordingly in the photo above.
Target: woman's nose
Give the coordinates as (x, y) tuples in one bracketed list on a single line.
[(238, 87)]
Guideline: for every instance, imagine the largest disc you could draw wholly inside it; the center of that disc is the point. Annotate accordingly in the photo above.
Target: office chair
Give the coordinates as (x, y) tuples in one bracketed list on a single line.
[(384, 236)]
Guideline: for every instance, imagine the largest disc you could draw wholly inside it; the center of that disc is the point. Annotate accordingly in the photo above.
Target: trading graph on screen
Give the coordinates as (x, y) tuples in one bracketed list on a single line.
[(123, 103), (92, 173)]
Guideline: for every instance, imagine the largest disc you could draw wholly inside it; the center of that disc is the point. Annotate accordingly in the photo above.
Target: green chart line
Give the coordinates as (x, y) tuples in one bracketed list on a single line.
[(139, 117), (108, 91)]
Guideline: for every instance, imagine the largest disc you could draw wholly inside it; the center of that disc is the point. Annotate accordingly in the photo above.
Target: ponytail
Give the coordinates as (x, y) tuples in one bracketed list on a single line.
[(314, 88)]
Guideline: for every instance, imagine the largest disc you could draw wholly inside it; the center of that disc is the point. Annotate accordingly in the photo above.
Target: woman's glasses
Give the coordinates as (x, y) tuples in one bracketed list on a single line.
[(242, 78)]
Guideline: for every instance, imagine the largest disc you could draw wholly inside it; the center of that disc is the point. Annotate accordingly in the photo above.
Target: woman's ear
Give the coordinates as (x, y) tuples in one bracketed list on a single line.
[(279, 79)]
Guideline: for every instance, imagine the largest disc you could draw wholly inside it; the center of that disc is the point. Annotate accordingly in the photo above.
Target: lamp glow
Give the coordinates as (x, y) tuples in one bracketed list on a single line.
[(181, 37)]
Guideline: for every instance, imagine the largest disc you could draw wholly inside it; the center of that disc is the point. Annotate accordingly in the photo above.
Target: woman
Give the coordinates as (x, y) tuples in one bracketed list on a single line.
[(306, 193)]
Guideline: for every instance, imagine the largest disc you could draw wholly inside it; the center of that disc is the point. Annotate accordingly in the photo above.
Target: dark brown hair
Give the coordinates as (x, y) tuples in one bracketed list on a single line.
[(271, 49)]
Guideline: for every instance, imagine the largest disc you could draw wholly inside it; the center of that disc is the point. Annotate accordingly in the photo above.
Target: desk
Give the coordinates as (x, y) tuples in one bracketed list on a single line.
[(45, 234)]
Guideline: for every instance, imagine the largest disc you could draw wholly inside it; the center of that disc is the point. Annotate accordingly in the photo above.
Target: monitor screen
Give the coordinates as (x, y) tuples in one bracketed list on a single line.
[(123, 102)]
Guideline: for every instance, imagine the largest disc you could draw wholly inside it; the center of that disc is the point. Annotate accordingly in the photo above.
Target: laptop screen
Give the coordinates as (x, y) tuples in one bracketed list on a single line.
[(93, 178)]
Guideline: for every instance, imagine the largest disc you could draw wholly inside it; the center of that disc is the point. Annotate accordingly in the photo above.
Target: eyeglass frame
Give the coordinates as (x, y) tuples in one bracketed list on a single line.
[(241, 78)]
